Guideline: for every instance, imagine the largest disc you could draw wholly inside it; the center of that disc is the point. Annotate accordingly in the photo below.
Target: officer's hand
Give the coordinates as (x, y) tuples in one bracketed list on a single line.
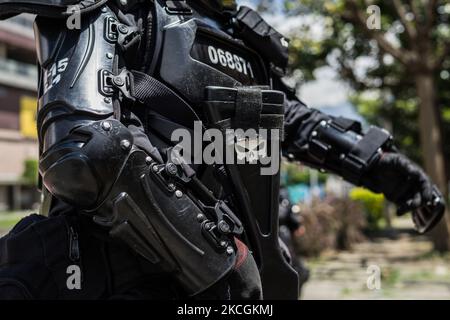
[(405, 184)]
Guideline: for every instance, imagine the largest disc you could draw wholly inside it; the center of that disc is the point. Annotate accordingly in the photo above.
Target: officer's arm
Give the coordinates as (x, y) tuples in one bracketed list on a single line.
[(366, 158), (82, 135), (335, 144)]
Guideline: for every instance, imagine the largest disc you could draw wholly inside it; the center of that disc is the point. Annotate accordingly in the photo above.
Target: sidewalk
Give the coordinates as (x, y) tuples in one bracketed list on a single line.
[(409, 270)]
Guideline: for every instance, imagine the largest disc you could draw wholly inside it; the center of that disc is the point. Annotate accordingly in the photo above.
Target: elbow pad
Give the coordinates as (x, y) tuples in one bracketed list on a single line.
[(340, 146), (81, 168)]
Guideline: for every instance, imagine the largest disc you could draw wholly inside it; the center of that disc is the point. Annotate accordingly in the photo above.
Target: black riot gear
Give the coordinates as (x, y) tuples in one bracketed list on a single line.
[(113, 92), (219, 5)]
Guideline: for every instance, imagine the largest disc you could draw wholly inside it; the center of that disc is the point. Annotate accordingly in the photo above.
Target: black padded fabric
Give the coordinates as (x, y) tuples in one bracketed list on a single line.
[(35, 255)]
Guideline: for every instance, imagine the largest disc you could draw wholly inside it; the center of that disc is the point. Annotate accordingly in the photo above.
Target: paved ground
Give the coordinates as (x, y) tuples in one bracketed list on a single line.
[(409, 270)]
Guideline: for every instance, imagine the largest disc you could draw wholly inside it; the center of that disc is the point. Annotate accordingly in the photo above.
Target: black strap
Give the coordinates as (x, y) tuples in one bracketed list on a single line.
[(347, 124), (360, 157), (248, 107), (373, 140), (163, 100)]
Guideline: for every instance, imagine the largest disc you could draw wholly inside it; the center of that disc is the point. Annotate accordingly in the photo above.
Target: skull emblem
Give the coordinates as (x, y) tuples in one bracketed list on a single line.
[(251, 148)]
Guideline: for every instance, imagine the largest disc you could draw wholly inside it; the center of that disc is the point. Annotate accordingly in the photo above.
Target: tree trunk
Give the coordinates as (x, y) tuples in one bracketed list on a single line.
[(432, 148)]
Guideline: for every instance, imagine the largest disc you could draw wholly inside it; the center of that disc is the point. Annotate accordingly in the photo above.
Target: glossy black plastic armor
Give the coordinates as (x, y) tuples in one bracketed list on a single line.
[(69, 95), (91, 161)]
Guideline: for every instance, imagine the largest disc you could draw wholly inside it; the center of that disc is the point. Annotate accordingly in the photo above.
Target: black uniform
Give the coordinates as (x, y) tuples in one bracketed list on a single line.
[(112, 93)]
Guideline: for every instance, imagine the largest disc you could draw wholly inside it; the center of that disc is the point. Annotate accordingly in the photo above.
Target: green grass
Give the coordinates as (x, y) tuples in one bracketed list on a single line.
[(9, 219)]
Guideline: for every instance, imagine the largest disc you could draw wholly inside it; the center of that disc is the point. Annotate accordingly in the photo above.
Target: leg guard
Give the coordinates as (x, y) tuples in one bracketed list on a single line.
[(159, 209)]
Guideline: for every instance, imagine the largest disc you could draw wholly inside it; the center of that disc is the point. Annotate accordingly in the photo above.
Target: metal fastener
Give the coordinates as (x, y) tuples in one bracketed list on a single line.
[(171, 169), (436, 201), (109, 55), (118, 81), (224, 227), (223, 243), (125, 144), (107, 100), (148, 160), (106, 125), (123, 28), (230, 251), (178, 194), (201, 217)]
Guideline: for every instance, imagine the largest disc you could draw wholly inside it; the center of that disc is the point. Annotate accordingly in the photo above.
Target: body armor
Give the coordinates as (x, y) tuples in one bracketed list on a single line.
[(169, 91), (211, 69), (111, 95)]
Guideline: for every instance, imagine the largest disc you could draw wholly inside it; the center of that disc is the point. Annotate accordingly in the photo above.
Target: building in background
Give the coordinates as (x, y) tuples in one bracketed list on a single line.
[(18, 136)]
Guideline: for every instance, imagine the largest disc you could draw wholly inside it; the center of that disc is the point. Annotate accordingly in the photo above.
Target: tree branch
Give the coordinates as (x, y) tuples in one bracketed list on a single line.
[(409, 26), (442, 56), (431, 14), (403, 56)]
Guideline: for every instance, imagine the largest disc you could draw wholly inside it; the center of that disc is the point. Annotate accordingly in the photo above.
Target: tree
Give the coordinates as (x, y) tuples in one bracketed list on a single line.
[(30, 172), (408, 55)]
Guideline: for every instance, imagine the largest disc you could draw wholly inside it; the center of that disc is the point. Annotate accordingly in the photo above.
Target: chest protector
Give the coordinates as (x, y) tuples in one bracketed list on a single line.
[(212, 63)]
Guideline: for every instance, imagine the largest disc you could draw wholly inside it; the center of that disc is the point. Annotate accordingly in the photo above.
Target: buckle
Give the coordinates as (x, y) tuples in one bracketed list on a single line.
[(124, 35), (111, 83)]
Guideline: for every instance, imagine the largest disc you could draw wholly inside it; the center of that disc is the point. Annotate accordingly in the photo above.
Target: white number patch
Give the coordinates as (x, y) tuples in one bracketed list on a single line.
[(229, 60), (52, 76)]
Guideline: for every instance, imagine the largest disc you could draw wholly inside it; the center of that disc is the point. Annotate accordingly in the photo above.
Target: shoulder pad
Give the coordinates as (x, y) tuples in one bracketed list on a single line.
[(272, 45), (46, 8)]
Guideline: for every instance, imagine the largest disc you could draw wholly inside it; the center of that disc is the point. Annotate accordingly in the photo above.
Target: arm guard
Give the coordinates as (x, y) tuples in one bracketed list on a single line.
[(328, 143), (339, 145), (75, 91)]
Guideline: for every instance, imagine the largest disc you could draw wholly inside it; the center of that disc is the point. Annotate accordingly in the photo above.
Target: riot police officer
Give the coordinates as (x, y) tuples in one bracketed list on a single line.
[(135, 219)]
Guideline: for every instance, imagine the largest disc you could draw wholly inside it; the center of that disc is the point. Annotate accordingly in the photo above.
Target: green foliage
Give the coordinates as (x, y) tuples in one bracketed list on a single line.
[(30, 172), (296, 174), (345, 40), (373, 205)]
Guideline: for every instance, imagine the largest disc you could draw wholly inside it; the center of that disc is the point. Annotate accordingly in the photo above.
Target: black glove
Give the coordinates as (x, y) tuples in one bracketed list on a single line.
[(406, 185)]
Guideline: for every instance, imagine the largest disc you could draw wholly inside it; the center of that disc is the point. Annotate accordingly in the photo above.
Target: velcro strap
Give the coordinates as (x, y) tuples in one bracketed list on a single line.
[(163, 100), (358, 159), (248, 107), (374, 139), (347, 124)]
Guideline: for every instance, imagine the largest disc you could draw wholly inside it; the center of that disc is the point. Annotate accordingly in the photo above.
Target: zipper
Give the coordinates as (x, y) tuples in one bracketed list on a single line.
[(74, 247)]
